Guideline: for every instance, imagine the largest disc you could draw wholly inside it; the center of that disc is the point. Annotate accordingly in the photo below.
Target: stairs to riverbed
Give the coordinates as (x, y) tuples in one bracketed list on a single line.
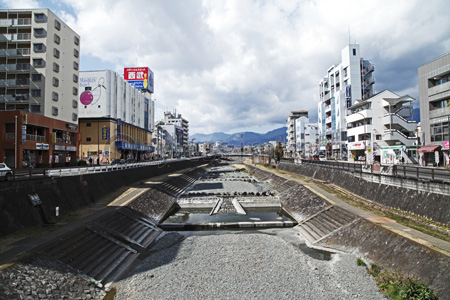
[(324, 223)]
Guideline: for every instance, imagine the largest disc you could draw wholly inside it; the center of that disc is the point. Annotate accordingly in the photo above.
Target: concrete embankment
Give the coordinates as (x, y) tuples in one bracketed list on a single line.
[(70, 193), (435, 206), (386, 248)]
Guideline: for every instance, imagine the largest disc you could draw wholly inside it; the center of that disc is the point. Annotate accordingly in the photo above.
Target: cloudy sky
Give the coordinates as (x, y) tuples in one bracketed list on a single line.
[(238, 65)]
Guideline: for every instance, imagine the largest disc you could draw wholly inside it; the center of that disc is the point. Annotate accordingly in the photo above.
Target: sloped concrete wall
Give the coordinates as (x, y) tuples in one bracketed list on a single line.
[(431, 205), (70, 193), (396, 253), (384, 247)]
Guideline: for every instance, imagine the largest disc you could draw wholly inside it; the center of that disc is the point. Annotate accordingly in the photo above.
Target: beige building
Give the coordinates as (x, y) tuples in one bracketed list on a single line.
[(100, 141), (39, 61)]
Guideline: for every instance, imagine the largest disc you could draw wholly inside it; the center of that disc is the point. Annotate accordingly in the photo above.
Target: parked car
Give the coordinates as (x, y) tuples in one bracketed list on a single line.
[(117, 161), (5, 172), (322, 157)]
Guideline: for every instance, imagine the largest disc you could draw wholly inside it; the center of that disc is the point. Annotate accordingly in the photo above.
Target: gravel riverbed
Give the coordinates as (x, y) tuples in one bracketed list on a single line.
[(264, 264)]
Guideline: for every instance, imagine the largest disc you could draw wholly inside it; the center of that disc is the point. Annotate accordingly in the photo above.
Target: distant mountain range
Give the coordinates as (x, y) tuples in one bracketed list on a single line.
[(245, 138), (249, 137)]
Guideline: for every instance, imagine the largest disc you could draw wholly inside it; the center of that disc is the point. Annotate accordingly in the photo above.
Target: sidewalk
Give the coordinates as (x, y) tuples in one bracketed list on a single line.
[(412, 234)]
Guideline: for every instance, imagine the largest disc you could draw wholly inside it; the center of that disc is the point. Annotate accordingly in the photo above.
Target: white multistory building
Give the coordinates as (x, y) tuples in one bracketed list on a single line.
[(116, 118), (378, 129), (306, 136), (106, 94), (183, 125), (204, 148), (350, 80), (291, 144)]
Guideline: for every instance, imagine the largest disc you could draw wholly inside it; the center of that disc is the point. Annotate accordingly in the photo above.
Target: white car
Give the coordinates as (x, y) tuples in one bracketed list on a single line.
[(5, 172)]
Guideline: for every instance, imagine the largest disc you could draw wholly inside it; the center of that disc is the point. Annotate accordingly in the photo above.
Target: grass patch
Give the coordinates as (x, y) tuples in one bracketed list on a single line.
[(400, 287), (360, 262)]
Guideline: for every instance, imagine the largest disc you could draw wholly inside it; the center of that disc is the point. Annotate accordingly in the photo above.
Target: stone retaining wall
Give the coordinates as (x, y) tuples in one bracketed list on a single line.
[(70, 193), (395, 253), (384, 247), (431, 205)]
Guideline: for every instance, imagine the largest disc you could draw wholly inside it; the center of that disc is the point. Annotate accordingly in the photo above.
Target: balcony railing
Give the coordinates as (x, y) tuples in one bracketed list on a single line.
[(29, 137), (14, 82), (15, 52), (33, 137), (16, 37), (15, 67)]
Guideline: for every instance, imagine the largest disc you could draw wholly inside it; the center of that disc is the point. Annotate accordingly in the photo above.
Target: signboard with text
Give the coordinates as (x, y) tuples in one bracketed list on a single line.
[(141, 78)]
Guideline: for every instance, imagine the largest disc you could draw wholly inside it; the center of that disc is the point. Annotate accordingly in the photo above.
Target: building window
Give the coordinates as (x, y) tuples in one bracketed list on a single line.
[(38, 63), (39, 47), (88, 139), (74, 117), (345, 72), (35, 108), (76, 53), (76, 40), (439, 132), (55, 67), (36, 77), (75, 78), (55, 81), (88, 124), (39, 32), (56, 53), (75, 65), (75, 91), (35, 93), (57, 25), (57, 39), (55, 96), (354, 52), (39, 17), (54, 110), (74, 103)]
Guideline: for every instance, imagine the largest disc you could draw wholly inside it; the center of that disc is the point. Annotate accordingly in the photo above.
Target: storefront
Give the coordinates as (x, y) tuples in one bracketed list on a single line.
[(357, 151), (430, 156)]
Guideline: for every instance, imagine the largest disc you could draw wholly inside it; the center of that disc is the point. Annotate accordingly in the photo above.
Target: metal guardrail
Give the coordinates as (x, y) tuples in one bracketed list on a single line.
[(412, 172), (29, 173)]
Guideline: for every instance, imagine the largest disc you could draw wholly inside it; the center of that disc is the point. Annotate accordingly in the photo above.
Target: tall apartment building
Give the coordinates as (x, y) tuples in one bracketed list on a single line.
[(434, 96), (116, 118), (39, 61), (291, 144), (352, 79)]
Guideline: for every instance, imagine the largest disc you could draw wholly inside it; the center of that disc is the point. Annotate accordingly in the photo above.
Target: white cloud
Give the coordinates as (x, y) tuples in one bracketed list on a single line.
[(17, 4), (229, 65)]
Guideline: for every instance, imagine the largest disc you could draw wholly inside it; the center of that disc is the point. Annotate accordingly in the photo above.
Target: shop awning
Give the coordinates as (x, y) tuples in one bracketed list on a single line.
[(426, 149)]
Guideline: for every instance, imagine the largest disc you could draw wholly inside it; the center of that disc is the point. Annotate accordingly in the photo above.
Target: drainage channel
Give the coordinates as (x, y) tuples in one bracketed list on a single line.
[(227, 198), (201, 219)]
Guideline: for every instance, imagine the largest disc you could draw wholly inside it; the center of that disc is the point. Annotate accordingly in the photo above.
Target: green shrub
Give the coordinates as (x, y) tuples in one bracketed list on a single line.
[(401, 287), (360, 262), (374, 270), (413, 289)]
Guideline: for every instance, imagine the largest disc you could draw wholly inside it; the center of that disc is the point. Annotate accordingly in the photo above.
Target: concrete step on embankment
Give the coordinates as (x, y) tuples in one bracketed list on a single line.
[(324, 223), (107, 247)]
